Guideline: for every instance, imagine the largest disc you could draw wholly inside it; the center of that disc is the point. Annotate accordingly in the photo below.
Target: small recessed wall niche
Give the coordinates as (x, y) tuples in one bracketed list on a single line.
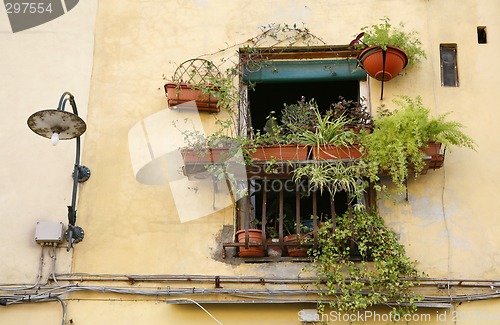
[(449, 68), (481, 34)]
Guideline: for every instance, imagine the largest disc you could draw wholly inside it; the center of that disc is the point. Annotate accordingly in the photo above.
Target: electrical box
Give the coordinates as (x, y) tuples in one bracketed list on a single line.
[(49, 232)]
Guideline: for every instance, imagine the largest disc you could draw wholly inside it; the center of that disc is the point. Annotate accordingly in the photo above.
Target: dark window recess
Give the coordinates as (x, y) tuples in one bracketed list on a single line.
[(481, 34), (449, 69), (283, 207), (267, 97), (276, 203), (295, 197)]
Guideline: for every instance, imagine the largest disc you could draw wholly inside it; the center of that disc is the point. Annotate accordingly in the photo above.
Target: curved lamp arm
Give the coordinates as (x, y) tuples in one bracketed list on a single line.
[(67, 126), (72, 230)]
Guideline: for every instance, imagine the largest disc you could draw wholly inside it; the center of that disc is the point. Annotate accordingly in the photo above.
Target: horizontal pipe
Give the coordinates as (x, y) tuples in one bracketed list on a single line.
[(253, 279), (248, 295)]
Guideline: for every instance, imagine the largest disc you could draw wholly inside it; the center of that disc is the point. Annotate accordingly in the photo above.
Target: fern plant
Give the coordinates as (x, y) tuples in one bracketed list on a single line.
[(398, 139)]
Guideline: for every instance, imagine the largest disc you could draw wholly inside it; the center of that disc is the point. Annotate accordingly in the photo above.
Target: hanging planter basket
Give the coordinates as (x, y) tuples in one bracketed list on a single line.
[(184, 90), (189, 97), (436, 155), (383, 65)]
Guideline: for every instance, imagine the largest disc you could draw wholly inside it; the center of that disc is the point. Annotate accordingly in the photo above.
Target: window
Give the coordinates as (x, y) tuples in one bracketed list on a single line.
[(449, 69), (276, 202), (481, 34), (267, 97)]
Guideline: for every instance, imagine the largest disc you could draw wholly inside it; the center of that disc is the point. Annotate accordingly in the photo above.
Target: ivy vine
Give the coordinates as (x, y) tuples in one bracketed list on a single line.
[(360, 263)]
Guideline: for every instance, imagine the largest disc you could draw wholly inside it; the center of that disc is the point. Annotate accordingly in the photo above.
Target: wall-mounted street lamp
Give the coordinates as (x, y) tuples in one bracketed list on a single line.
[(57, 124)]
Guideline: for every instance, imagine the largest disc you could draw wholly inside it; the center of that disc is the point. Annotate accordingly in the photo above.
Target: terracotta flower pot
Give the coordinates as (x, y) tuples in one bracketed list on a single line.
[(372, 61), (205, 155), (437, 158), (196, 161), (181, 93), (327, 152), (254, 237), (296, 250), (279, 152)]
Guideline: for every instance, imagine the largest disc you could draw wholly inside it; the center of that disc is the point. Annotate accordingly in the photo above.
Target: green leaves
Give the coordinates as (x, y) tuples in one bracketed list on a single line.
[(399, 137), (326, 131), (300, 116), (351, 286), (384, 34), (334, 177)]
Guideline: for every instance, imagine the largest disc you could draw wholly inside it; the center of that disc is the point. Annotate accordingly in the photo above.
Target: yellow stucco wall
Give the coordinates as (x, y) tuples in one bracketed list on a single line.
[(115, 67), (37, 66)]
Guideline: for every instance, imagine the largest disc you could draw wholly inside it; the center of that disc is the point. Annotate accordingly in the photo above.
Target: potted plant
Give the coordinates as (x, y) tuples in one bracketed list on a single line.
[(332, 177), (356, 112), (262, 148), (193, 82), (276, 141), (330, 138), (256, 249), (299, 116), (298, 247), (387, 49), (217, 155), (200, 148), (399, 139), (299, 239)]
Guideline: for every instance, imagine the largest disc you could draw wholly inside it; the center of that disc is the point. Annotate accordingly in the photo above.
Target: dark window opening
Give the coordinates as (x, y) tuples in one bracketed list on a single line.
[(481, 34), (272, 206), (267, 97), (278, 206), (293, 196), (449, 69)]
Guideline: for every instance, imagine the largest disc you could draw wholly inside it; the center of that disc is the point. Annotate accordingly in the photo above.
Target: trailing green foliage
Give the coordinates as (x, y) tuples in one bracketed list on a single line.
[(379, 277), (334, 177), (399, 136)]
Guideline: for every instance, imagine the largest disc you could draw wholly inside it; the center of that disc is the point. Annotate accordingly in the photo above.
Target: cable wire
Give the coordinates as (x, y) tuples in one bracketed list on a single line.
[(63, 309), (197, 304)]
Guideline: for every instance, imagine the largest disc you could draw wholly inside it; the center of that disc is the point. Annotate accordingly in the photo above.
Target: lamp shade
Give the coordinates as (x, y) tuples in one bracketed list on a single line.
[(50, 121)]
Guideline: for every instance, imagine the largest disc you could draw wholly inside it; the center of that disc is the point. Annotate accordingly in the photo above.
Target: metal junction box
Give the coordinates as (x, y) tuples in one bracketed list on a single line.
[(49, 232)]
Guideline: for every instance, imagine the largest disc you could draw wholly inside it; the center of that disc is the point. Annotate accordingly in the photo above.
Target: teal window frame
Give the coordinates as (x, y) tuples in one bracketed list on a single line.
[(306, 70)]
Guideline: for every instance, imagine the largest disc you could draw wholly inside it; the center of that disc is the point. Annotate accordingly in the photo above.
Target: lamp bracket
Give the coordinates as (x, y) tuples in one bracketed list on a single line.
[(74, 235), (83, 173)]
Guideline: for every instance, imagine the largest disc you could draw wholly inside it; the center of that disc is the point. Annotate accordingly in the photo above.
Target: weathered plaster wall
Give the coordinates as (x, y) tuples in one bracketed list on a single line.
[(449, 223), (37, 66), (131, 226), (453, 209)]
